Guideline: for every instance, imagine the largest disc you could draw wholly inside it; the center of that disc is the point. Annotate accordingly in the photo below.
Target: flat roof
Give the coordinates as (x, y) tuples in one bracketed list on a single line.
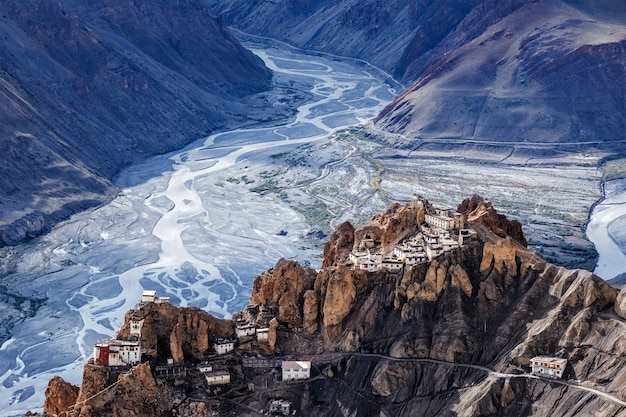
[(117, 343), (549, 359), (297, 364)]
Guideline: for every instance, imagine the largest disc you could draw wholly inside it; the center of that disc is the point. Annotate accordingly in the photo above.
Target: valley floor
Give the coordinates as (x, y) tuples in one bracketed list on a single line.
[(199, 224)]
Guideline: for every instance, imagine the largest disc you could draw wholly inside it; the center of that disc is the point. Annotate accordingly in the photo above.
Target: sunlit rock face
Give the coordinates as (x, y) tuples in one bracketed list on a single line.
[(449, 337), (90, 87)]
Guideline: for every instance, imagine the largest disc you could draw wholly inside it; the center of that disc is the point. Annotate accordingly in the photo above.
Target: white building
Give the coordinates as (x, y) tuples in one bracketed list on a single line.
[(263, 334), (370, 260), (446, 219), (280, 407), (117, 353), (548, 366), (217, 377), (430, 236), (434, 250), (242, 330), (149, 296), (223, 346), (393, 265), (135, 327), (370, 266), (296, 370), (204, 368), (410, 254), (440, 222), (449, 244)]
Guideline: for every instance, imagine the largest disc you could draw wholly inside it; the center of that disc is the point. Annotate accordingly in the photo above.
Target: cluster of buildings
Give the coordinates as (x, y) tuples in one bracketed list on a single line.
[(149, 296), (254, 323), (117, 352), (442, 231), (214, 377)]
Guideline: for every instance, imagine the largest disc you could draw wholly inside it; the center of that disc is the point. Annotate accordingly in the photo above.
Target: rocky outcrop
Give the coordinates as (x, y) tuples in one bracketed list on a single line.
[(60, 397), (283, 288), (107, 391), (178, 333), (620, 304), (481, 212), (386, 229), (90, 87), (137, 394), (339, 245), (450, 337)]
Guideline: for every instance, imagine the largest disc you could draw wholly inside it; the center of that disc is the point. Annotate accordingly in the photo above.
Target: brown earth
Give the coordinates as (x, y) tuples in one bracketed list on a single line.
[(418, 342)]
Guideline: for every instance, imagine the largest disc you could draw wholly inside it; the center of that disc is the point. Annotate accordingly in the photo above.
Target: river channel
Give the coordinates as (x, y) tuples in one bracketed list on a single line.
[(199, 224), (185, 224), (607, 230)]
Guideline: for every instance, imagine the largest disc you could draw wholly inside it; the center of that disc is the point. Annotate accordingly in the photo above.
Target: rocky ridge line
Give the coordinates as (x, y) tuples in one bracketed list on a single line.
[(393, 339)]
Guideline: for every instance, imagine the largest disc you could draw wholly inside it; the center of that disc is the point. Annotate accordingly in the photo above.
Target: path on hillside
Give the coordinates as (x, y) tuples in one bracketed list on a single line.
[(499, 375)]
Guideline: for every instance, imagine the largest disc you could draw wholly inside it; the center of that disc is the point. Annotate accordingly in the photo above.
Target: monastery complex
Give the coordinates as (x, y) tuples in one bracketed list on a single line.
[(442, 230)]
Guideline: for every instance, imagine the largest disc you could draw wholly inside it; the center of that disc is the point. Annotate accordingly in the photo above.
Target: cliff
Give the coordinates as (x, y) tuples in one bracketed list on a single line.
[(449, 337), (89, 87)]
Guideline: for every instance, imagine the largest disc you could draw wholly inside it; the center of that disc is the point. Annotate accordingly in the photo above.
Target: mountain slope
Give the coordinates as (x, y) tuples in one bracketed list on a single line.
[(541, 73), (89, 87), (387, 34), (507, 73)]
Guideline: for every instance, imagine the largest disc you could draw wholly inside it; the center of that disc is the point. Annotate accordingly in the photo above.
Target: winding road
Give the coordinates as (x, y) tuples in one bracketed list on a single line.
[(502, 375)]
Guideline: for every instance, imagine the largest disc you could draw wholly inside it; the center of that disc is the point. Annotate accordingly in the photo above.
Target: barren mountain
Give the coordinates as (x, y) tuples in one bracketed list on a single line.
[(449, 337), (500, 73), (88, 87), (540, 73)]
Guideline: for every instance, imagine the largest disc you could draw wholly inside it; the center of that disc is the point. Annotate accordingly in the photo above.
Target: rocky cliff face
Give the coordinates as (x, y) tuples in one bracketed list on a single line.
[(482, 214), (451, 337), (178, 333), (89, 87), (60, 397)]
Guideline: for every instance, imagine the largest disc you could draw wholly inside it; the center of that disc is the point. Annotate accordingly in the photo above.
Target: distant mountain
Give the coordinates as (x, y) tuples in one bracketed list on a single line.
[(88, 87), (522, 74), (547, 71), (388, 34)]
